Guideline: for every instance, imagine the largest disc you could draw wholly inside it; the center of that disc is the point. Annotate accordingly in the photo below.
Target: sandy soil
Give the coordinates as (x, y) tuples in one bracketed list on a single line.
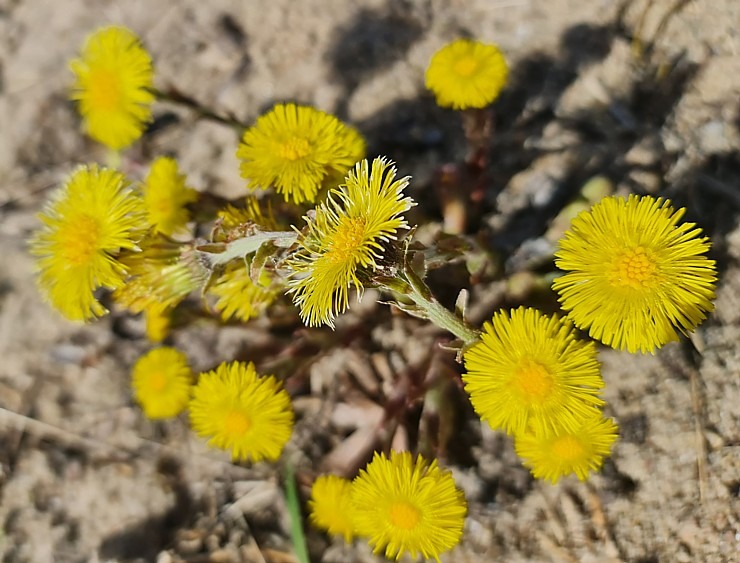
[(85, 477)]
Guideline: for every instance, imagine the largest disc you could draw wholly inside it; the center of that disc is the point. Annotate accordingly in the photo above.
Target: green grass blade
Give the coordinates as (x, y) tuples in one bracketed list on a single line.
[(294, 510)]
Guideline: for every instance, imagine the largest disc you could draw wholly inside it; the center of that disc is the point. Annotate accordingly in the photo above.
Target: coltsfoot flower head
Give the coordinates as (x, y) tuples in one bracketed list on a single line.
[(346, 234), (530, 372), (578, 451), (295, 149), (161, 380), (355, 146), (241, 412), (238, 296), (113, 84), (636, 276), (166, 195), (86, 224), (467, 74), (330, 506), (407, 505)]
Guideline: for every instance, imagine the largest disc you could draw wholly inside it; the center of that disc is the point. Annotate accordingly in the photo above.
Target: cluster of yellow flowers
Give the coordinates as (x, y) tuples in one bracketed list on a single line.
[(635, 277), (401, 504), (235, 408), (530, 376), (102, 231)]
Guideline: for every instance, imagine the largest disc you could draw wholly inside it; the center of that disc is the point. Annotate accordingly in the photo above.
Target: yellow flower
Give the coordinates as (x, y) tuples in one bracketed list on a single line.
[(330, 506), (88, 221), (529, 371), (408, 506), (467, 74), (113, 86), (636, 276), (578, 451), (354, 143), (346, 234), (295, 149), (165, 197), (161, 380), (238, 296), (239, 411)]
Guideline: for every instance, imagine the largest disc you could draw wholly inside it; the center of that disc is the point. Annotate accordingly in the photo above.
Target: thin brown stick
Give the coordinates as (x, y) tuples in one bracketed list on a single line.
[(174, 96), (44, 429)]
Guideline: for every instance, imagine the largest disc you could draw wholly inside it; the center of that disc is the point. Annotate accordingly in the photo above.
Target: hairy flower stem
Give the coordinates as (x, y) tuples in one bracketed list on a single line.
[(438, 314), (411, 286)]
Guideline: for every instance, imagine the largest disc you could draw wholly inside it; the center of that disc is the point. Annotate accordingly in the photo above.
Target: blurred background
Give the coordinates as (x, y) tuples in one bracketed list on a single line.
[(641, 94)]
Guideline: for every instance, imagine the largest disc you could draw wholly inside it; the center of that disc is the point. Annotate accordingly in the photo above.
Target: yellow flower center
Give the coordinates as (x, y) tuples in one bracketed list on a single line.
[(295, 148), (534, 381), (465, 66), (347, 238), (404, 515), (567, 448), (634, 268), (163, 205), (79, 240), (157, 381), (105, 89), (237, 423), (160, 210)]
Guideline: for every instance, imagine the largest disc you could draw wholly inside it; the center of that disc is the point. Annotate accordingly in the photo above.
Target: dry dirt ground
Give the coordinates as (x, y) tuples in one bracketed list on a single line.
[(597, 88)]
